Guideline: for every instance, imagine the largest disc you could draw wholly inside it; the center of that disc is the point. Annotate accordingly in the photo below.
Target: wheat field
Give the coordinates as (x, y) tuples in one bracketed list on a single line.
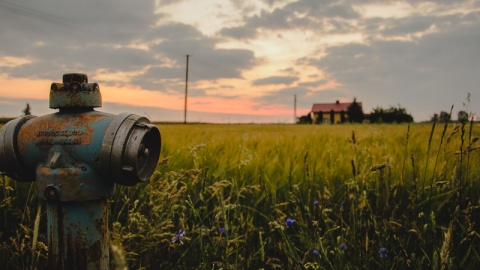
[(285, 197)]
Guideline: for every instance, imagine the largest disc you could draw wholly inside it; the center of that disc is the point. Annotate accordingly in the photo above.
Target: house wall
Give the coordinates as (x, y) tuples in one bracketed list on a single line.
[(326, 118)]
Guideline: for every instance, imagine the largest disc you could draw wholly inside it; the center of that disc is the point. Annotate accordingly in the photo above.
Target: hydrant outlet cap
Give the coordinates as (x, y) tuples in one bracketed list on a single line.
[(75, 92), (130, 149)]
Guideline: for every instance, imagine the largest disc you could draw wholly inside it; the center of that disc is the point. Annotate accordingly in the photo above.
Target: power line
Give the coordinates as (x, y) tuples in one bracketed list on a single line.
[(51, 18), (29, 12)]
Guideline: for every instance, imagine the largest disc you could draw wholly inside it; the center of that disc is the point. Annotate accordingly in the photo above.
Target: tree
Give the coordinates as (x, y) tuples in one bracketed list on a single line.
[(434, 118), (444, 117), (26, 111), (462, 116), (306, 119), (391, 115), (355, 112)]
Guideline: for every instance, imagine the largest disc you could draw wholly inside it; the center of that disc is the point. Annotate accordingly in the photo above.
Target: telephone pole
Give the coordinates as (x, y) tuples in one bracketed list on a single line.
[(294, 109), (186, 93)]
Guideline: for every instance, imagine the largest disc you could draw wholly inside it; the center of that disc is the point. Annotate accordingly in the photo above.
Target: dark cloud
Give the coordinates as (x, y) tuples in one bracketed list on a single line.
[(206, 61), (397, 62), (320, 16), (313, 84), (89, 36), (275, 80), (241, 32), (421, 73), (407, 25), (59, 36), (77, 22)]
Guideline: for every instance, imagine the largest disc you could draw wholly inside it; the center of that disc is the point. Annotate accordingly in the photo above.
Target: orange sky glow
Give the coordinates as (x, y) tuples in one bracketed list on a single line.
[(134, 96), (248, 59)]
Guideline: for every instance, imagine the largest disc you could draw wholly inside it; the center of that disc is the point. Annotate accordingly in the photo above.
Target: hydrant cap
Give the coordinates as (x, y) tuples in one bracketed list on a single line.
[(130, 149), (75, 92)]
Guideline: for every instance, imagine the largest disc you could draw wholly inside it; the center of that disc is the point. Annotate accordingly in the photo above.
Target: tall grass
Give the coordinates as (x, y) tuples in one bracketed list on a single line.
[(288, 197)]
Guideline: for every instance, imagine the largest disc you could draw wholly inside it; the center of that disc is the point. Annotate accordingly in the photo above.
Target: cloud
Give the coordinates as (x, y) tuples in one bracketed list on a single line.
[(240, 32), (275, 80), (206, 61), (319, 16), (282, 97), (419, 73), (70, 22), (113, 36), (86, 59), (408, 25), (69, 35), (423, 56)]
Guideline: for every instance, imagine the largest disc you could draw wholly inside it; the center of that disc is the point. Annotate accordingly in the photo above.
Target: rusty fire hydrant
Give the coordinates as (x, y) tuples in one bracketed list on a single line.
[(76, 156)]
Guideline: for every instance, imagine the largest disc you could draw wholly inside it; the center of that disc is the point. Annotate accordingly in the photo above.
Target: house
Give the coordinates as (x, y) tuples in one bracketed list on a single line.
[(331, 112)]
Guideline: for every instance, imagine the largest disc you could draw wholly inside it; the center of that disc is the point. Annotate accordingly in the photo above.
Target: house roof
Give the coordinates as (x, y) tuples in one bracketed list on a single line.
[(328, 107)]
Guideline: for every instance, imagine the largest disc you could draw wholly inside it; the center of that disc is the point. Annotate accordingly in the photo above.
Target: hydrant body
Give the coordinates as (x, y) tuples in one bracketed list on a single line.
[(76, 156)]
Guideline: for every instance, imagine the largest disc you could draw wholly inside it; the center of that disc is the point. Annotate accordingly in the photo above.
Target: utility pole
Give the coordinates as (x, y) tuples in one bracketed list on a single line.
[(294, 109), (186, 93)]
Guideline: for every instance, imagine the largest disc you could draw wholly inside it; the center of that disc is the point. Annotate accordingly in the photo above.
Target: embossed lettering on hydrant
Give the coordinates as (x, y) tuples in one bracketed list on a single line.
[(61, 137)]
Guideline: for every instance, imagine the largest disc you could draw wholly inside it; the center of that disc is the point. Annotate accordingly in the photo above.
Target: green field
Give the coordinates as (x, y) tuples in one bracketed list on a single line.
[(285, 197)]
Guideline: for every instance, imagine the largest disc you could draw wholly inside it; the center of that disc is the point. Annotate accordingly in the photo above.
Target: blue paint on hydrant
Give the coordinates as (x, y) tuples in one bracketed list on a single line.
[(76, 156)]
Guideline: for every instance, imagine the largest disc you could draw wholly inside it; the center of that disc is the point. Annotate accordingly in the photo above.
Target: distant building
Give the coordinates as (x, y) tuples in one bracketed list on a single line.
[(331, 112)]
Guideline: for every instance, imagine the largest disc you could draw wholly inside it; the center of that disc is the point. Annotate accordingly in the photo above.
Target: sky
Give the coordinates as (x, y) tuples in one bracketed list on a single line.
[(247, 59)]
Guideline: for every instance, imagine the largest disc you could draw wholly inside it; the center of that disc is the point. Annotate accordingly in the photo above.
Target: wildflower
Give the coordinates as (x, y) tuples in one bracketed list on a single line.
[(223, 231), (383, 252), (315, 203), (342, 247), (315, 252), (179, 236), (289, 222)]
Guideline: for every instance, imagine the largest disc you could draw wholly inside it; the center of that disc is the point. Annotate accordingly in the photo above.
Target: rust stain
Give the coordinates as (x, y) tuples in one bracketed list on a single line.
[(57, 129), (56, 245), (72, 187)]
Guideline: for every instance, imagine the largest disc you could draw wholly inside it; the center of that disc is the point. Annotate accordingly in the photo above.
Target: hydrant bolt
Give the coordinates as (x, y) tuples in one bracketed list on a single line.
[(51, 193)]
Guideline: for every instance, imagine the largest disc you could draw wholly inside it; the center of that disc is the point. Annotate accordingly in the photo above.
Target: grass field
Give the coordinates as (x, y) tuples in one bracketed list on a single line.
[(285, 197)]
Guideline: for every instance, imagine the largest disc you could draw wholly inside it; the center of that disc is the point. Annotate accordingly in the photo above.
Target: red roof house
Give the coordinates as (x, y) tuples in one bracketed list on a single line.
[(331, 112)]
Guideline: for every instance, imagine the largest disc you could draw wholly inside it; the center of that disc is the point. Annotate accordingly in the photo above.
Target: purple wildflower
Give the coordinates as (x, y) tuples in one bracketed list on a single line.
[(342, 247), (223, 230), (315, 203), (383, 252), (289, 222), (315, 252), (179, 236)]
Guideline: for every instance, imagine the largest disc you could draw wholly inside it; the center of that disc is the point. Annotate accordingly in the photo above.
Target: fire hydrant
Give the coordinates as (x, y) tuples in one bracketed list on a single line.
[(76, 156)]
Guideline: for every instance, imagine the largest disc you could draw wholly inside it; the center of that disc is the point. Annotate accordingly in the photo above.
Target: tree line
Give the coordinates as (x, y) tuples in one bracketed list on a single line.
[(462, 116), (354, 114)]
